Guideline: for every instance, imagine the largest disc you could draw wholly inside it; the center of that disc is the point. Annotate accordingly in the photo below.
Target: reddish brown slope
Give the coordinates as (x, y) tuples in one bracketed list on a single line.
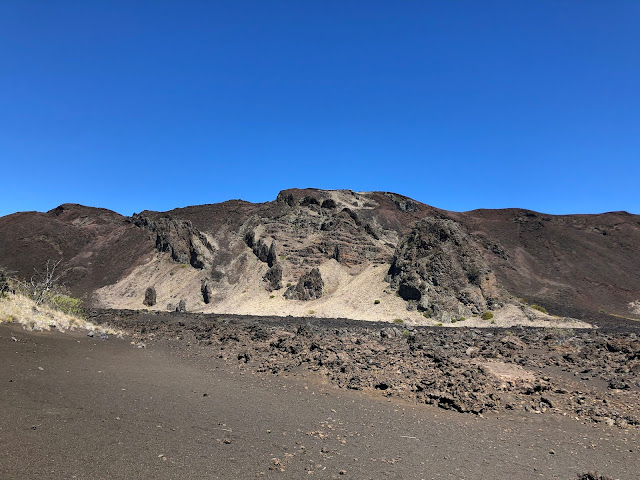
[(96, 246), (565, 262)]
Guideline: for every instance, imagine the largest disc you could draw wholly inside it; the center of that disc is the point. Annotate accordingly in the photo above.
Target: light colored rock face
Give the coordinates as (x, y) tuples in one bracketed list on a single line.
[(634, 307), (346, 295)]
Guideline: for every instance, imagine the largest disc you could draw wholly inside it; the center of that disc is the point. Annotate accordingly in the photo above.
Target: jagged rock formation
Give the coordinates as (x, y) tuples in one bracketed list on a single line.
[(149, 297), (439, 267), (185, 243), (265, 254), (574, 265), (309, 287), (272, 256), (273, 277), (205, 289)]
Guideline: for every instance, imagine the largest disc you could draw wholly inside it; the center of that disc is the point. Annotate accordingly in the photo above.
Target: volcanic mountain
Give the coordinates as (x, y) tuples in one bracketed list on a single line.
[(339, 253)]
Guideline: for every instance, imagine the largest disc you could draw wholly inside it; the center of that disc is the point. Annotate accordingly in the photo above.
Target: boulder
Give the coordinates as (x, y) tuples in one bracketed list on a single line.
[(273, 277), (182, 306), (309, 287), (329, 203), (150, 297), (205, 289)]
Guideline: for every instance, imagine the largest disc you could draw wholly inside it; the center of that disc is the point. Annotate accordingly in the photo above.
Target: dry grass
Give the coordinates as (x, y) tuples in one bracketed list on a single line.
[(18, 309)]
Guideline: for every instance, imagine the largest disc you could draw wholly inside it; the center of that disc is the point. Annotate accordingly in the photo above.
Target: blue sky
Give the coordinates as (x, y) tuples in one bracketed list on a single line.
[(459, 104)]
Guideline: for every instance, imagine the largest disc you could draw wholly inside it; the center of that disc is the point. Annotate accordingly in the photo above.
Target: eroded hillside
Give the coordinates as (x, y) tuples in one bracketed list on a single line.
[(369, 256)]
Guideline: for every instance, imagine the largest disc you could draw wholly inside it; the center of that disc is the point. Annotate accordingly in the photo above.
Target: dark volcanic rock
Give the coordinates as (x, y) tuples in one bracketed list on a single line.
[(272, 256), (309, 200), (337, 255), (329, 203), (205, 289), (182, 306), (261, 250), (309, 287), (286, 198), (150, 297), (439, 266), (185, 243), (273, 277), (404, 204), (467, 370)]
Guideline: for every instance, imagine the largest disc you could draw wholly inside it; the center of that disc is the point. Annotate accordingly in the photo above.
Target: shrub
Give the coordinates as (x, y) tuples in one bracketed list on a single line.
[(426, 314), (492, 322), (311, 312), (288, 284), (439, 324), (405, 333), (539, 308), (487, 316), (398, 321), (66, 304), (454, 320), (272, 296), (376, 302)]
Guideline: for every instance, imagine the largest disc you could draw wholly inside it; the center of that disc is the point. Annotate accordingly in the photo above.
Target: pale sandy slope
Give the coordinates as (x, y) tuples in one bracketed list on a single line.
[(348, 294)]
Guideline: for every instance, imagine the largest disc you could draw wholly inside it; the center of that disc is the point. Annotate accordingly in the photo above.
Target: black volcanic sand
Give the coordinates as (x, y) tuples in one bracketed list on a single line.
[(80, 407)]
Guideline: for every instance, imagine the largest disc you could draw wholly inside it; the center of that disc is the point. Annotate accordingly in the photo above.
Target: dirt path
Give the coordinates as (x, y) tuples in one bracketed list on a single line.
[(79, 407)]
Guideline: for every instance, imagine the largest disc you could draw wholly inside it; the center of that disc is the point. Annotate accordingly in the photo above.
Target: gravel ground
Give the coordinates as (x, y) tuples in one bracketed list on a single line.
[(185, 396)]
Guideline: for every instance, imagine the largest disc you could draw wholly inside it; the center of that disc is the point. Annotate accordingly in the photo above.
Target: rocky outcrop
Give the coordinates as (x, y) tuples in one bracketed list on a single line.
[(329, 203), (182, 306), (185, 243), (337, 254), (273, 277), (309, 287), (272, 256), (286, 198), (438, 268), (150, 297), (265, 254), (308, 201), (403, 203), (205, 289)]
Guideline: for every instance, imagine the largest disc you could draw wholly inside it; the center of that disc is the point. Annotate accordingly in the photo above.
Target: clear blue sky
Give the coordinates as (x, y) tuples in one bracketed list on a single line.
[(134, 105)]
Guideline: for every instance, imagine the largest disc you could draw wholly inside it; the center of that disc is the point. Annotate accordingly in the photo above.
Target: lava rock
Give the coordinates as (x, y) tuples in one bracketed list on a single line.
[(273, 277), (272, 256), (182, 306), (309, 287), (150, 297), (205, 289), (329, 203)]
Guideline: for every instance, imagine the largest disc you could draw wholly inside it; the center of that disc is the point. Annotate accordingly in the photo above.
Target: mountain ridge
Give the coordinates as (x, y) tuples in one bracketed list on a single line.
[(580, 264)]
